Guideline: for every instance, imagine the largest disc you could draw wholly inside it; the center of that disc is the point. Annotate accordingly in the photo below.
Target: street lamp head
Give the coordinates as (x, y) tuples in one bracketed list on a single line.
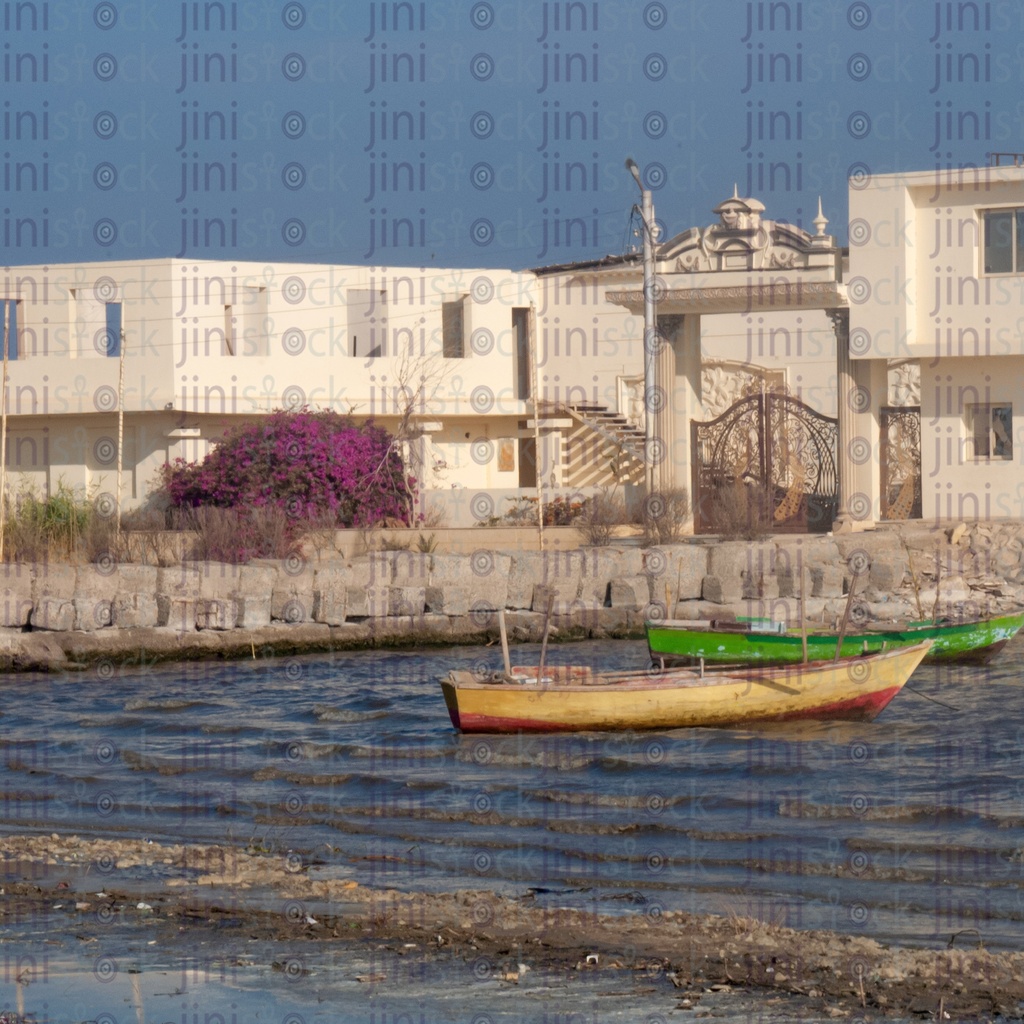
[(635, 171)]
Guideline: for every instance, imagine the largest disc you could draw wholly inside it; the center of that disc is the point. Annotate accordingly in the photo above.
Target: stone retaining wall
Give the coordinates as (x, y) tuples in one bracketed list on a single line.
[(403, 596)]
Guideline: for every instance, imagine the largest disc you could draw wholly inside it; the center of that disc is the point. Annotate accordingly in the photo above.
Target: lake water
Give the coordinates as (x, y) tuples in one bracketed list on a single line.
[(908, 829)]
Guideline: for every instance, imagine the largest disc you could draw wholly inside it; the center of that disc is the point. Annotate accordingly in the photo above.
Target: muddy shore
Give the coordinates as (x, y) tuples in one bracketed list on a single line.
[(80, 887)]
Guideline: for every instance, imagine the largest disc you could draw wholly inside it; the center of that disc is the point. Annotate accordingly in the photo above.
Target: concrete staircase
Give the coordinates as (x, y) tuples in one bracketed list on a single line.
[(602, 448)]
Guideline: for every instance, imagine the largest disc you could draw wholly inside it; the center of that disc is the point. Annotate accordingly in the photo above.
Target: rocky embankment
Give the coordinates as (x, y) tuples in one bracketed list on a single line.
[(54, 617)]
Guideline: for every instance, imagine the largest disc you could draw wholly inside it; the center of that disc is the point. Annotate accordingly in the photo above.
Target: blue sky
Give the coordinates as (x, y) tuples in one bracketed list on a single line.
[(473, 133)]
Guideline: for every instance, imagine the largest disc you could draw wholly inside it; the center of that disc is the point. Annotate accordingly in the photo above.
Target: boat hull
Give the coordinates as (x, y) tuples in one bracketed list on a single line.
[(855, 688), (972, 642)]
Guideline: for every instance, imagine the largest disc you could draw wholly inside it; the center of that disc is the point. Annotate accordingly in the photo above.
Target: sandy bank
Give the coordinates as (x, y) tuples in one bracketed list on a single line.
[(66, 883)]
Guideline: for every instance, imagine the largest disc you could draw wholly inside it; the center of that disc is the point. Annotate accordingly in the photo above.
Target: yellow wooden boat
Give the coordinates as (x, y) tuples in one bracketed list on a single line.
[(571, 698)]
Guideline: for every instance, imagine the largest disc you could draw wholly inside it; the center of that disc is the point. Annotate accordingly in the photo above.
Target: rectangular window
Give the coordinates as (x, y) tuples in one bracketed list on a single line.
[(367, 322), (250, 327), (96, 323), (1003, 241), (991, 430), (9, 311), (113, 336), (228, 347), (521, 350), (453, 330)]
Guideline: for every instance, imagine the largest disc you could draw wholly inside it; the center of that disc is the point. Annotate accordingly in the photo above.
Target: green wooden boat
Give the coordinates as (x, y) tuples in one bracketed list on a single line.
[(762, 641)]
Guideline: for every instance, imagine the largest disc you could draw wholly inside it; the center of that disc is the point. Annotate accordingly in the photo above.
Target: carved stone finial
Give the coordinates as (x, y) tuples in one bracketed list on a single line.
[(821, 221)]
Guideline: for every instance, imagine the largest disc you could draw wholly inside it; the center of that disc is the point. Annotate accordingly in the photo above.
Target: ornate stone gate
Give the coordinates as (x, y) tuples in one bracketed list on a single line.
[(769, 458)]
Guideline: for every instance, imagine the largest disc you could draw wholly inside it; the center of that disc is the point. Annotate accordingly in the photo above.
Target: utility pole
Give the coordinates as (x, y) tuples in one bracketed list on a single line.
[(650, 323)]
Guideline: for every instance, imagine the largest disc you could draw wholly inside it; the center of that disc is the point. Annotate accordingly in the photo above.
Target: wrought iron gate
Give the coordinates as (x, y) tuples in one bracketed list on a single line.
[(901, 461), (769, 460)]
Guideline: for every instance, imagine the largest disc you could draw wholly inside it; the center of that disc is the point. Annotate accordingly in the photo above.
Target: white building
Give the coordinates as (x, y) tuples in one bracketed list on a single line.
[(930, 356)]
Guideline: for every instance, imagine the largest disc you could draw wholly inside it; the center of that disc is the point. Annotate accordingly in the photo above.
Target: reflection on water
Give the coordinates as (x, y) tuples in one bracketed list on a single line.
[(358, 986), (905, 828)]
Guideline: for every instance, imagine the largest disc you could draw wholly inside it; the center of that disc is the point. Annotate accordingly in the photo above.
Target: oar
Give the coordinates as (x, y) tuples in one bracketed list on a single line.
[(504, 642)]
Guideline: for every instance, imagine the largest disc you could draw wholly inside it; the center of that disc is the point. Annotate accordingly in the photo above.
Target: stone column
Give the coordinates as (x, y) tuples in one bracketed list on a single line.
[(840, 318), (664, 405)]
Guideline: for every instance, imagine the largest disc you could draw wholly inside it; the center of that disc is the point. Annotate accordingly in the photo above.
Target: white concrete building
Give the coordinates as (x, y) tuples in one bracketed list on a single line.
[(442, 355), (503, 381), (937, 265)]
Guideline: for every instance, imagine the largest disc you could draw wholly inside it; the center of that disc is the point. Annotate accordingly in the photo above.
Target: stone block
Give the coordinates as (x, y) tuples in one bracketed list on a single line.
[(760, 586), (561, 603), (825, 581), (686, 565), (128, 610), (15, 596), (291, 605), (179, 581), (257, 580), (93, 613), (525, 570), (368, 602), (54, 580), (561, 571), (733, 558), (888, 571), (291, 593), (178, 613), (629, 592), (53, 613), (253, 611), (600, 565), (406, 601), (97, 582), (721, 590), (330, 596), (217, 613), (218, 579), (448, 600), (484, 573), (370, 570), (410, 568)]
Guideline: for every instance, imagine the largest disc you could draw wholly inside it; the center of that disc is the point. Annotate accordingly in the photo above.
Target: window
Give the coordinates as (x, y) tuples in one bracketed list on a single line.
[(1004, 241), (367, 322), (521, 350), (112, 332), (991, 430), (96, 322), (9, 311), (453, 338)]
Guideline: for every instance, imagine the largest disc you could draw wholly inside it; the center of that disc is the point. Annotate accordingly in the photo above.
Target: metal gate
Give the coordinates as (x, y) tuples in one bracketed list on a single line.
[(901, 461), (766, 465)]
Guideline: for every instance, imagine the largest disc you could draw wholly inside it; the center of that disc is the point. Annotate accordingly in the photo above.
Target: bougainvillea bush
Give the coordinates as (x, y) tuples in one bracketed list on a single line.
[(316, 467)]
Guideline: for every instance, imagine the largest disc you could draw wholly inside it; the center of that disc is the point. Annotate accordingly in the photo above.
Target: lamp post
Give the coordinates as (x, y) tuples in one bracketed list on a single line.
[(650, 321)]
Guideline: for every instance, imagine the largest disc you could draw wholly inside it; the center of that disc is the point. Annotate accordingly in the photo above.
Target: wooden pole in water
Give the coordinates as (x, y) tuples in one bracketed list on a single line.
[(544, 639), (803, 610), (938, 578), (504, 642), (846, 618), (3, 430), (913, 577)]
